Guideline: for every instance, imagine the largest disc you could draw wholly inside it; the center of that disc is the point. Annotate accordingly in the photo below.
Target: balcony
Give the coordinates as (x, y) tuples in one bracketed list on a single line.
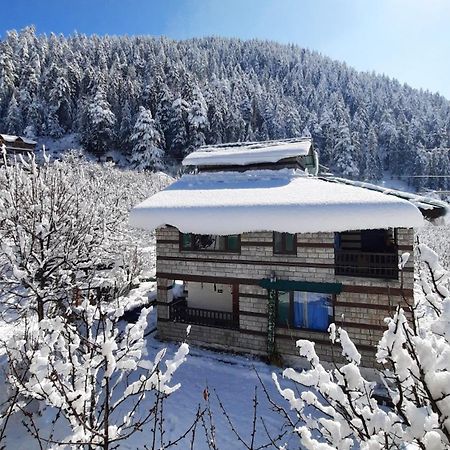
[(180, 312), (365, 264)]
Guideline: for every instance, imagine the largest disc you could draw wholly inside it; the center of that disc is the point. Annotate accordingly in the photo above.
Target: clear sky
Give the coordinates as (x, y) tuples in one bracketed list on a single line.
[(405, 39)]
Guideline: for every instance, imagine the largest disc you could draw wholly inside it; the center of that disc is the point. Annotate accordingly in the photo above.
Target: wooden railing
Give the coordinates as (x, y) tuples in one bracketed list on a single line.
[(180, 312), (370, 265)]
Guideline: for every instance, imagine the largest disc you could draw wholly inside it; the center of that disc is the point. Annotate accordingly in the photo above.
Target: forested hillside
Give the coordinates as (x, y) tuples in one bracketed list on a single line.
[(157, 99)]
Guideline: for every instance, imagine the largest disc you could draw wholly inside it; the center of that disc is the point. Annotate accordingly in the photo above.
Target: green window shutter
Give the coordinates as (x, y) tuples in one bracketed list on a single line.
[(186, 241), (290, 244), (278, 242), (233, 242)]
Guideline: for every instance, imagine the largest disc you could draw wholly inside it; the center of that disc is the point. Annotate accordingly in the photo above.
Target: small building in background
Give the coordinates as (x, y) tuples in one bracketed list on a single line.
[(16, 145)]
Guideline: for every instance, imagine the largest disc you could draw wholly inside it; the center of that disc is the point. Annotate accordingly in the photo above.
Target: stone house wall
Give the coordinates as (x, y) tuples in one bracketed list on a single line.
[(360, 308)]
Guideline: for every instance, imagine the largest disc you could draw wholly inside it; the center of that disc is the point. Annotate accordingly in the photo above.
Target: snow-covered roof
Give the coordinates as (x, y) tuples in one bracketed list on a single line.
[(244, 153), (280, 200), (11, 138), (431, 208)]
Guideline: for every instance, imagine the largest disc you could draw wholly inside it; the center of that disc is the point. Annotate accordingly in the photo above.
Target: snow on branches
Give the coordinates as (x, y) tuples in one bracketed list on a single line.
[(339, 408), (60, 223), (92, 371), (147, 140)]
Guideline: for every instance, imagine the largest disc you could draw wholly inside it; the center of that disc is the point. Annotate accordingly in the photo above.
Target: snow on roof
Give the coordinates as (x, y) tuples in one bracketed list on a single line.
[(11, 138), (241, 154), (431, 208), (265, 200)]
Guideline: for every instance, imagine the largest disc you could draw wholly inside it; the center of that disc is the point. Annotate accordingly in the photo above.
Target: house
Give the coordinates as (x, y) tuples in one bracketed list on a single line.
[(16, 145), (255, 253)]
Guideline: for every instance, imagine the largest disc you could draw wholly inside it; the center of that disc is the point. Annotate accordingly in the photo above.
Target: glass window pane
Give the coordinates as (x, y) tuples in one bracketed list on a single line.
[(290, 242), (300, 312), (278, 242), (233, 242), (283, 308), (373, 240), (186, 241), (203, 242), (318, 310)]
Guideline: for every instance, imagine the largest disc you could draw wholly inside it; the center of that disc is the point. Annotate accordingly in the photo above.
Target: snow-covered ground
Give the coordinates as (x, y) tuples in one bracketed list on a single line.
[(56, 147), (233, 377)]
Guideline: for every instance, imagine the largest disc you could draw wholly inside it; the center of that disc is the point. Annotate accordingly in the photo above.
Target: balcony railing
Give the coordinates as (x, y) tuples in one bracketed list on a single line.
[(370, 265), (180, 312)]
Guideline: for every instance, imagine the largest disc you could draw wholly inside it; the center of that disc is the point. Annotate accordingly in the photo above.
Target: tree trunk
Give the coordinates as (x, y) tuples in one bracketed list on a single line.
[(40, 309)]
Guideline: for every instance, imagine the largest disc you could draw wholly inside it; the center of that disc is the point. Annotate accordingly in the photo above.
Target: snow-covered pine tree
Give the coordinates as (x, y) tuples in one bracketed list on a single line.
[(372, 166), (13, 120), (177, 129), (387, 138), (197, 120), (8, 71), (98, 131), (421, 167), (245, 99), (343, 153), (126, 128), (147, 142), (60, 101)]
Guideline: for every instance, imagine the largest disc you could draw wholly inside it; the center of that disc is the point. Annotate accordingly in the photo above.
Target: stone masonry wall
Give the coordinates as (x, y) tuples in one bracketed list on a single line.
[(360, 308)]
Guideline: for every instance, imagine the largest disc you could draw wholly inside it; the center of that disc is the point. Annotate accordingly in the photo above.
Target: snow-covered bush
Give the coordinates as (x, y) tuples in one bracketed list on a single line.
[(339, 407), (437, 238), (61, 223), (94, 376)]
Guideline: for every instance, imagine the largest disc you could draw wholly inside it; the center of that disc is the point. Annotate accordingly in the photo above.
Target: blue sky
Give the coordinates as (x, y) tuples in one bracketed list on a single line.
[(405, 39)]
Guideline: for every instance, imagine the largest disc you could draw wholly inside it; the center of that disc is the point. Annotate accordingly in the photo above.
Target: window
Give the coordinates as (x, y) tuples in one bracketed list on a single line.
[(305, 310), (367, 253), (210, 242), (284, 243), (367, 241)]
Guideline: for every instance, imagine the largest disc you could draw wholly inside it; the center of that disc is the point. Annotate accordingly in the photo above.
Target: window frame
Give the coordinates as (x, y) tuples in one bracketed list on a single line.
[(338, 240), (290, 322), (283, 251), (226, 250)]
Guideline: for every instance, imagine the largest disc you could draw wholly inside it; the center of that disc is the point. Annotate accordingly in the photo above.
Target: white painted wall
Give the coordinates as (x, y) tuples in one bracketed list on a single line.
[(208, 296)]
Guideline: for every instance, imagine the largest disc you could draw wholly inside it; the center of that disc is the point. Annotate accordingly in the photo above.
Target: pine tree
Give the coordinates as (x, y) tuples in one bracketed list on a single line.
[(177, 129), (98, 132), (229, 90), (197, 121), (8, 70), (146, 153), (343, 153), (421, 167), (13, 120), (60, 102), (372, 167), (125, 128)]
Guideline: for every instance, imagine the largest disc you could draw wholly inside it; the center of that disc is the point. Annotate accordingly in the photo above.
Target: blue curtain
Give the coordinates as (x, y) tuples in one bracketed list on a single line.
[(299, 320), (318, 313)]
